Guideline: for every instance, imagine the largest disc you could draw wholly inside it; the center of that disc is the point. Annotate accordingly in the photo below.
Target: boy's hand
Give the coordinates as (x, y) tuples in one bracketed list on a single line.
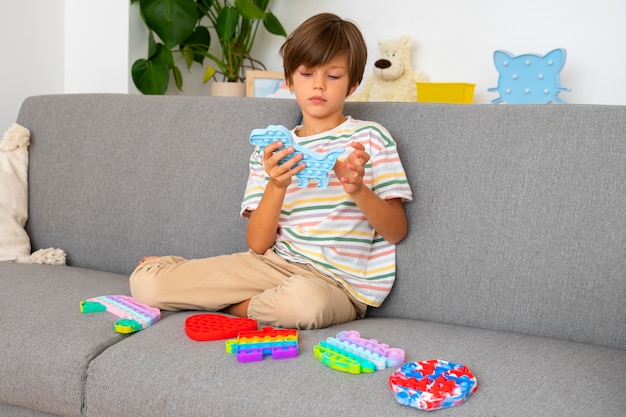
[(263, 222), (281, 174), (350, 171)]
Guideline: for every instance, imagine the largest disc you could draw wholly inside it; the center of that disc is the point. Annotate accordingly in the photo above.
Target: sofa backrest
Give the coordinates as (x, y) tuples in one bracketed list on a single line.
[(116, 177), (517, 224)]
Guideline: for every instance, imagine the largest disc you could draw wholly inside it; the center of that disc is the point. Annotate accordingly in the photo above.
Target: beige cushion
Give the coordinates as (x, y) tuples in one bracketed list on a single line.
[(14, 241)]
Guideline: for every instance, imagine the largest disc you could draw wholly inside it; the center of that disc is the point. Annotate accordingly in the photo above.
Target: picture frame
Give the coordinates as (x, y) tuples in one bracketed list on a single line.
[(268, 84)]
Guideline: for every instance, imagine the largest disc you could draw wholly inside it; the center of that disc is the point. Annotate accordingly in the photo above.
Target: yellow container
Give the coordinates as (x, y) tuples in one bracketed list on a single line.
[(457, 93)]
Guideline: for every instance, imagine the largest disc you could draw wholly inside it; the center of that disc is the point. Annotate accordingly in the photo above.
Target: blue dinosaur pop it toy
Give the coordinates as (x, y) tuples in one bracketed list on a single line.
[(318, 165), (529, 79)]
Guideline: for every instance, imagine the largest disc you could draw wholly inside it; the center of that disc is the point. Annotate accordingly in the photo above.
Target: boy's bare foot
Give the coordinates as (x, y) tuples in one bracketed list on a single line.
[(146, 258), (239, 310)]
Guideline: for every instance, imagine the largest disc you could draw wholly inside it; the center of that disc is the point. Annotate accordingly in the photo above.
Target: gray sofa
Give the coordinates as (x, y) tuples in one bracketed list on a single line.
[(515, 263)]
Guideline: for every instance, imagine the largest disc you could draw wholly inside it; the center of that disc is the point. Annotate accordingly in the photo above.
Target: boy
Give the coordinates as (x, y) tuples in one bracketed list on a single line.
[(318, 257)]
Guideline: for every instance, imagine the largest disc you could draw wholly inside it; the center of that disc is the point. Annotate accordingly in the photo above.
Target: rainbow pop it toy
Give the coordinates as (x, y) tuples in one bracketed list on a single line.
[(252, 346), (133, 316), (348, 352)]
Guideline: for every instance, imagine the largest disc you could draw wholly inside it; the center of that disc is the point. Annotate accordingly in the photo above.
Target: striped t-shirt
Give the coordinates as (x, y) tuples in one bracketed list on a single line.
[(324, 227)]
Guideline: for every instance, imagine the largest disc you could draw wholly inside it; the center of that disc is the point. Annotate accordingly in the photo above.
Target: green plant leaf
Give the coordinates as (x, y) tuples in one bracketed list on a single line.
[(203, 5), (249, 10), (172, 20), (208, 74), (152, 45), (187, 54), (178, 78), (272, 25), (151, 76), (261, 4), (166, 55), (226, 25), (198, 44), (174, 28)]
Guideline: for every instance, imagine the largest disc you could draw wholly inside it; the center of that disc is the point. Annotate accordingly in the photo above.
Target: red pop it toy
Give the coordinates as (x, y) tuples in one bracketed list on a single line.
[(203, 327)]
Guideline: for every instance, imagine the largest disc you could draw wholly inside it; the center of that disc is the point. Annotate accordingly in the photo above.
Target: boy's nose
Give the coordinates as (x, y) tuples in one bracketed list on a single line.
[(319, 82)]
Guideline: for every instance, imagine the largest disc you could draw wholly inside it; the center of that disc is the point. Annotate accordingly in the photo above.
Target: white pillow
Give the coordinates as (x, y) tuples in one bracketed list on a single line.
[(14, 241)]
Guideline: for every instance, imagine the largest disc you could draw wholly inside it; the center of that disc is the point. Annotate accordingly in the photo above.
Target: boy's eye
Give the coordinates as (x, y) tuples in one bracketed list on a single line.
[(305, 74), (334, 77)]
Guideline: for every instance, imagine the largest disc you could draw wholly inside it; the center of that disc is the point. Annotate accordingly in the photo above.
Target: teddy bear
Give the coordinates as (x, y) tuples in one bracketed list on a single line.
[(393, 77)]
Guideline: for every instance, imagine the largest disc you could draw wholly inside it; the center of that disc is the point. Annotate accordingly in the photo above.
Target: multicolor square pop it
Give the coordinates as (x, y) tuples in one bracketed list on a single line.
[(432, 384), (252, 346)]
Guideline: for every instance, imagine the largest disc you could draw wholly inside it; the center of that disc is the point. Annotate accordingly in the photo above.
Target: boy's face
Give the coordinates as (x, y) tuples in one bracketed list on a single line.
[(322, 90)]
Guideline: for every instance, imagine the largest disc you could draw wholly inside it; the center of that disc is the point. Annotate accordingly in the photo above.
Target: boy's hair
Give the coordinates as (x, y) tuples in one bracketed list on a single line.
[(321, 38)]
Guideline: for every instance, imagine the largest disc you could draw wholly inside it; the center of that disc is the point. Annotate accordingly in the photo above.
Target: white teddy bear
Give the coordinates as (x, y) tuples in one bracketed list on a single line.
[(393, 78)]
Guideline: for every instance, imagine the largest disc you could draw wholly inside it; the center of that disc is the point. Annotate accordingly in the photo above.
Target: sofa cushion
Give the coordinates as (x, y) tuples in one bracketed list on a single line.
[(161, 371), (14, 241), (47, 344), (11, 411)]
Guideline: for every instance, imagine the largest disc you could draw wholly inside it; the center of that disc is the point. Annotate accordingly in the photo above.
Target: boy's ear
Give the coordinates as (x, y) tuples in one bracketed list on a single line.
[(352, 90)]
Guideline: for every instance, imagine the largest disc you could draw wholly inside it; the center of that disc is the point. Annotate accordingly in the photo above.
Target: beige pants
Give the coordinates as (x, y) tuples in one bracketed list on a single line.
[(281, 293)]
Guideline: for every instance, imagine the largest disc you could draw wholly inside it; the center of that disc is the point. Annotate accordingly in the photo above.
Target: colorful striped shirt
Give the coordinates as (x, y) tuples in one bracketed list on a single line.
[(324, 227)]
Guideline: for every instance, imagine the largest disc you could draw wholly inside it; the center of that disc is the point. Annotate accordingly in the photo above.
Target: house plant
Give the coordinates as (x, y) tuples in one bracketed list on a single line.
[(180, 29)]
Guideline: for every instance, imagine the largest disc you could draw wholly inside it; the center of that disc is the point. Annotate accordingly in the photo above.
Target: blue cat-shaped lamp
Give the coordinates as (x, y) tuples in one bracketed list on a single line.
[(529, 79)]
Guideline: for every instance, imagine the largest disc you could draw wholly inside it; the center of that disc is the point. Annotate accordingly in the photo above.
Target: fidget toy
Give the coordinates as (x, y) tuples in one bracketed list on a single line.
[(317, 165), (203, 327), (252, 346), (529, 78), (433, 384), (348, 352), (133, 316)]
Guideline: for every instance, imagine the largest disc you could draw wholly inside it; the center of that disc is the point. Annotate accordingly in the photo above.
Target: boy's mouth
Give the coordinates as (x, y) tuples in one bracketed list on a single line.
[(317, 99)]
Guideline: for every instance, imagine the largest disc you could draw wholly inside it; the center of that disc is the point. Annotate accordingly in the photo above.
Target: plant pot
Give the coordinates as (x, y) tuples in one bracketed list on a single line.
[(227, 89)]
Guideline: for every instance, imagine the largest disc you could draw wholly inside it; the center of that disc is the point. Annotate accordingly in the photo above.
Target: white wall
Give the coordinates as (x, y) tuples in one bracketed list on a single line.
[(61, 46), (76, 46), (31, 47), (454, 40), (96, 46)]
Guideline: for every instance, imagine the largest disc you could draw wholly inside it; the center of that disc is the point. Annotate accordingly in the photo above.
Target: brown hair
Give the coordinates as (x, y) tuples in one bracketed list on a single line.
[(321, 38)]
